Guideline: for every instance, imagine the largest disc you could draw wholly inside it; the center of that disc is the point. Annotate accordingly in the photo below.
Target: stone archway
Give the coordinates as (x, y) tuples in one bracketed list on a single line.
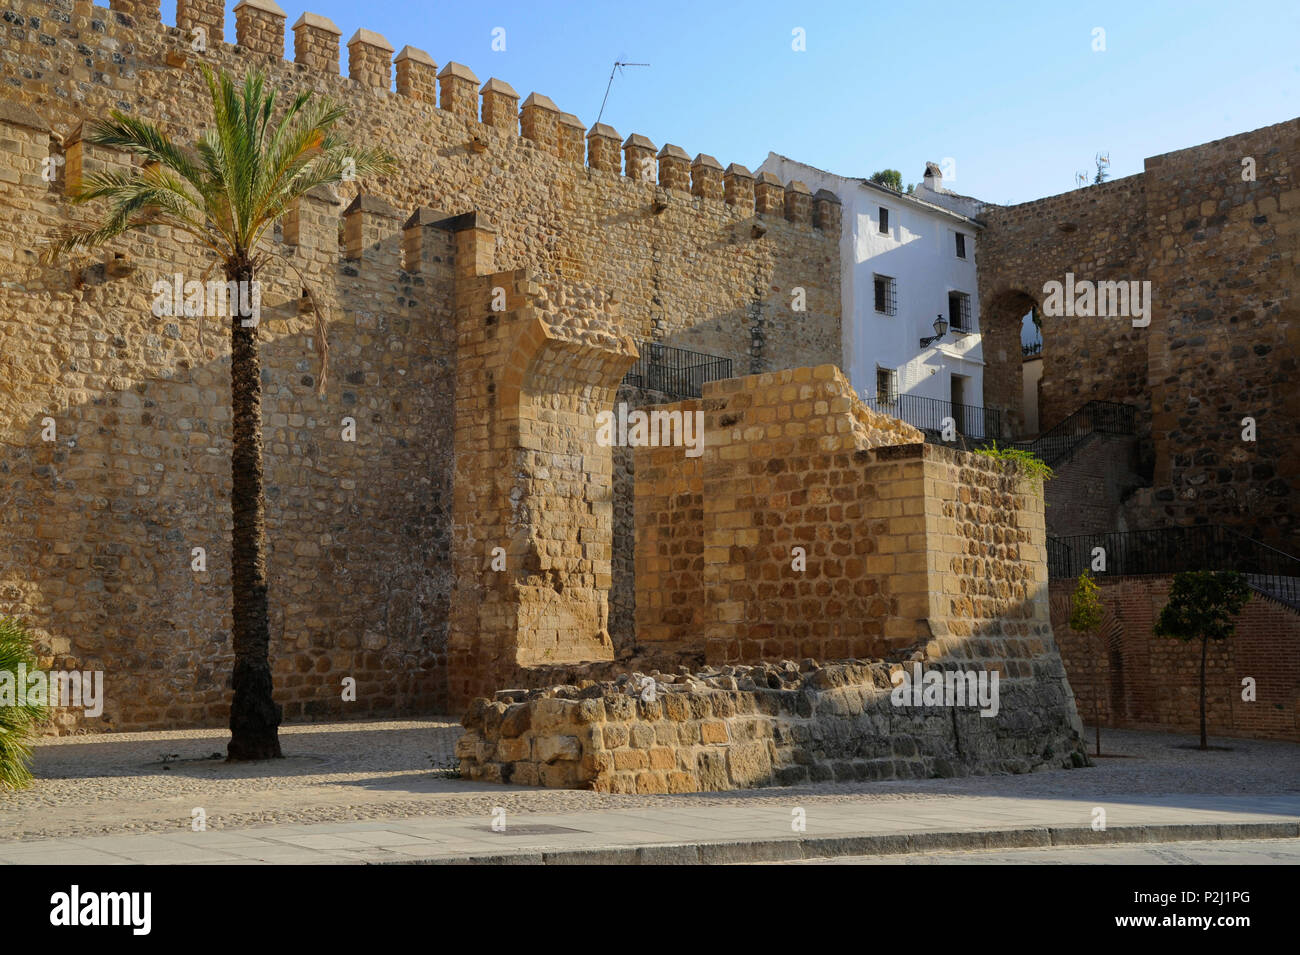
[(531, 534), (1000, 320), (1095, 235)]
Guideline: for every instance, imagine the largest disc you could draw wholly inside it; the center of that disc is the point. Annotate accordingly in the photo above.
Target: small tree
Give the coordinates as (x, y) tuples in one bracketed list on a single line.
[(888, 177), (1085, 618), (1202, 604)]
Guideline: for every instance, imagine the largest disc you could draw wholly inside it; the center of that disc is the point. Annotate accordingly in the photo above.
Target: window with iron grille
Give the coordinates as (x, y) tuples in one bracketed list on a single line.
[(959, 312), (961, 245), (884, 221), (886, 385), (886, 294)]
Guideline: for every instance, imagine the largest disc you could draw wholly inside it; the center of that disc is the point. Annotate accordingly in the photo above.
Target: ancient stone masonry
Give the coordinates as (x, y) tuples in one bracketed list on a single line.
[(442, 516), (737, 727), (1214, 229), (472, 425), (900, 542), (1098, 233), (532, 483), (911, 552)]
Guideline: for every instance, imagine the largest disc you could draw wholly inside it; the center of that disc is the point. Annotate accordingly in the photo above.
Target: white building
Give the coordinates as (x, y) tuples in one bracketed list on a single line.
[(907, 260)]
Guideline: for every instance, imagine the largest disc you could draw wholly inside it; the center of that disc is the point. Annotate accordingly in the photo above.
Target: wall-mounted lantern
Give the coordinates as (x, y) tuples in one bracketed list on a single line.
[(940, 329)]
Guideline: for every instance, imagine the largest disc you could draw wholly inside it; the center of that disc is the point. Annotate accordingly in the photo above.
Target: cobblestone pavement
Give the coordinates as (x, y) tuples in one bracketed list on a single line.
[(355, 771)]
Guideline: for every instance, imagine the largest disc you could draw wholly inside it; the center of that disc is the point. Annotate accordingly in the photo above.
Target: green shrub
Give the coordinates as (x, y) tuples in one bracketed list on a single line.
[(18, 718), (1025, 462)]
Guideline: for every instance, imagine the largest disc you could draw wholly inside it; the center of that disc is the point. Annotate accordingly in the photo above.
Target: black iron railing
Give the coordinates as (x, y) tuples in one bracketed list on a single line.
[(1170, 550), (1096, 417), (928, 414), (675, 371)]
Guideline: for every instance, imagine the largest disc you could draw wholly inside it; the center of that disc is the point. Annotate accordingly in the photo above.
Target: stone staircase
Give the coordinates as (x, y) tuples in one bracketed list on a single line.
[(1059, 443)]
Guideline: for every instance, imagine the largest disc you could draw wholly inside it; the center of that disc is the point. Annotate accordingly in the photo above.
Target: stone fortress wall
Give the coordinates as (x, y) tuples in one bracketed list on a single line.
[(597, 240), (1215, 229)]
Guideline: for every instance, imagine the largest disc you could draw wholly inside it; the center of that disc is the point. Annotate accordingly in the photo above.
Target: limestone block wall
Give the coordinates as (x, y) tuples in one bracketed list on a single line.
[(780, 474), (741, 727), (98, 528), (533, 500), (826, 530), (686, 267), (959, 584), (668, 543), (115, 462)]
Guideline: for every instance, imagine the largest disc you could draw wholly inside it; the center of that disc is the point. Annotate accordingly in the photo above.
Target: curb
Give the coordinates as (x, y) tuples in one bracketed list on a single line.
[(826, 847)]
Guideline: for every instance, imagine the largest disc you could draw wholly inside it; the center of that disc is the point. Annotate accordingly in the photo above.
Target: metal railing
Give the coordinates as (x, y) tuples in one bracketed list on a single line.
[(1170, 550), (676, 372), (1096, 417), (928, 414)]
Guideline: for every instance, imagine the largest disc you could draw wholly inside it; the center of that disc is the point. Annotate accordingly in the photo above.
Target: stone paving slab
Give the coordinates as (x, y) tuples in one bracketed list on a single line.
[(709, 834), (1222, 852)]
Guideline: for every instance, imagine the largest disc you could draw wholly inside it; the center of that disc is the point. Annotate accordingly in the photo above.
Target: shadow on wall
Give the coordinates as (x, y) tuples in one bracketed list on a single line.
[(100, 542), (743, 726), (1150, 682), (102, 523)]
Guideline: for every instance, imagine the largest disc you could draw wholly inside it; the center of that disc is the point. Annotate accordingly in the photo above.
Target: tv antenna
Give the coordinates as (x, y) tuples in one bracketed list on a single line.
[(618, 68), (1103, 171)]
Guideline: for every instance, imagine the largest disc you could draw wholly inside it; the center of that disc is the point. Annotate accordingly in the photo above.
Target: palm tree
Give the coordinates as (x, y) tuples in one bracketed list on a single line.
[(242, 175)]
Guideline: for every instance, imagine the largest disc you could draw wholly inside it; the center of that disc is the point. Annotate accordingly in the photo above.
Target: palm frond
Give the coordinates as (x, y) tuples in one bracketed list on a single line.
[(244, 172), (142, 138), (18, 721)]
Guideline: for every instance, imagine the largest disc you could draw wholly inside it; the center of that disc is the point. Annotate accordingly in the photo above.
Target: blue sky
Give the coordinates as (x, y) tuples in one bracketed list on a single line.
[(1012, 93)]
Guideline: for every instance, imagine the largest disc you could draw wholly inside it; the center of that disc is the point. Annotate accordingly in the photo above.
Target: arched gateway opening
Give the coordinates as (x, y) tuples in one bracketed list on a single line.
[(1004, 381)]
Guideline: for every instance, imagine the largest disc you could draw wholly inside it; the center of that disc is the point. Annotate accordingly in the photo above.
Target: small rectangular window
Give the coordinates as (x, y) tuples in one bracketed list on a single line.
[(886, 385), (886, 294), (959, 311), (961, 246), (884, 221)]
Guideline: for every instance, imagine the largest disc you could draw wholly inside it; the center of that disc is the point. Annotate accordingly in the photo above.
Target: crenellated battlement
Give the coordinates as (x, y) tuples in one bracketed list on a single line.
[(454, 89), (479, 306)]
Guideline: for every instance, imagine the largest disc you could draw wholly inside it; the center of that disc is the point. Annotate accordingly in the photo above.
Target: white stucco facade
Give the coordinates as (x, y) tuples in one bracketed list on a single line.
[(918, 252)]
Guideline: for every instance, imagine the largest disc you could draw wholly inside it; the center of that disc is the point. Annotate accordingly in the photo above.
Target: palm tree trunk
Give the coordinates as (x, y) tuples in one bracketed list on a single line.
[(254, 714), (1205, 645)]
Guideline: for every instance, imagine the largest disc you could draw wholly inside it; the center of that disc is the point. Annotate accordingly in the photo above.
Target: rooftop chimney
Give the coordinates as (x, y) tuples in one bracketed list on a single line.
[(933, 177)]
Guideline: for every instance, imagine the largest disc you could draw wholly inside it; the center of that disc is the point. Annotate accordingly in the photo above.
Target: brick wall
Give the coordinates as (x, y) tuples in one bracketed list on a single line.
[(1154, 682)]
